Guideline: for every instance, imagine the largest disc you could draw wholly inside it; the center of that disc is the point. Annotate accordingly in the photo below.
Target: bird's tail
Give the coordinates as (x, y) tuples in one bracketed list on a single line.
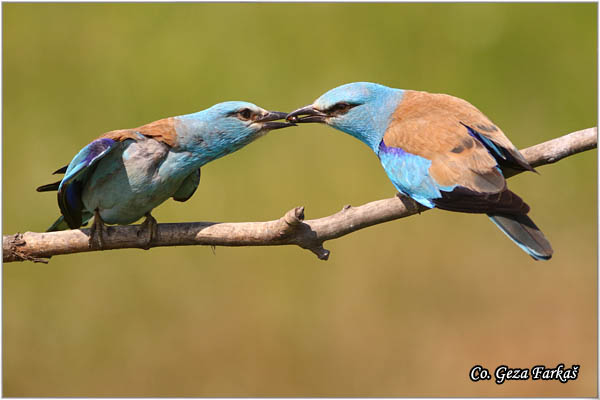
[(59, 225), (49, 187), (521, 230)]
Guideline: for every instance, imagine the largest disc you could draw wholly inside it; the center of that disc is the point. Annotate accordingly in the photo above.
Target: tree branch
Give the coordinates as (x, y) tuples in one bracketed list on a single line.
[(291, 229)]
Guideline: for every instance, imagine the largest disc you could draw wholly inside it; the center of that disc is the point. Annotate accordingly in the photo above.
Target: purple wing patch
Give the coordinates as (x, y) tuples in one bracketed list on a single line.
[(69, 190), (397, 151), (96, 148)]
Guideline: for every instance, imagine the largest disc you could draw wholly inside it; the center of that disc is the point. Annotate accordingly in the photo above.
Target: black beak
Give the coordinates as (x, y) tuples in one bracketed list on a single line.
[(306, 114), (271, 116)]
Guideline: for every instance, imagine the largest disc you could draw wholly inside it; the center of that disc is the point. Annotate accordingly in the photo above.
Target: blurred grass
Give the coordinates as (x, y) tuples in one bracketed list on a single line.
[(400, 309)]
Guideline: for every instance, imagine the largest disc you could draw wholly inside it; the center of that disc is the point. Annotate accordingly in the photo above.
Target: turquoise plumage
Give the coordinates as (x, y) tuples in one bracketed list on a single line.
[(438, 149), (123, 175)]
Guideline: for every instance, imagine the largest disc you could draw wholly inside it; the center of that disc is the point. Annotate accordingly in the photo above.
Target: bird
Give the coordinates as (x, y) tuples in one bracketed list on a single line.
[(437, 149), (124, 174)]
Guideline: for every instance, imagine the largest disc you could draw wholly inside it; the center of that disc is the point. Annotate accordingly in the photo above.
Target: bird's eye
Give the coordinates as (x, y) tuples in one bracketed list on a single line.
[(245, 113), (340, 108)]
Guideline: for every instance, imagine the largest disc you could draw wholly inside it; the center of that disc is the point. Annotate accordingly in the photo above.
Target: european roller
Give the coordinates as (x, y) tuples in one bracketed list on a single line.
[(437, 149), (124, 174)]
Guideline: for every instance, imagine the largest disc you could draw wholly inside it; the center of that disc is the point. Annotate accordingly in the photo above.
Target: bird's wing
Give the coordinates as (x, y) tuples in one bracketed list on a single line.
[(439, 116), (432, 152), (188, 187), (79, 170)]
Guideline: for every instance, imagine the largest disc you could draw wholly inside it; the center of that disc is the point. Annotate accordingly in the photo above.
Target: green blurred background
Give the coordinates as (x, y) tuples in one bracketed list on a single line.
[(401, 309)]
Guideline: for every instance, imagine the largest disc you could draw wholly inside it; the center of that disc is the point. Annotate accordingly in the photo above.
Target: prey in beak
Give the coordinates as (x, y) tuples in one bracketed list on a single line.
[(269, 123), (307, 114)]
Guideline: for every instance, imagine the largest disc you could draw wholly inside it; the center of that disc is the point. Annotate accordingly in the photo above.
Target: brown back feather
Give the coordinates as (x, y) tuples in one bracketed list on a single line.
[(431, 126), (162, 130)]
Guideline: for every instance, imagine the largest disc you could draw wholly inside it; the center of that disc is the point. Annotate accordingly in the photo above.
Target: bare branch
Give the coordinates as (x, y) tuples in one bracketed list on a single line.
[(289, 229)]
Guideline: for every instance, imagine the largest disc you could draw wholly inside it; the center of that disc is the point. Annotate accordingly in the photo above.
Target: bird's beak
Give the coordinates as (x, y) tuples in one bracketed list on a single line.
[(268, 121), (306, 114)]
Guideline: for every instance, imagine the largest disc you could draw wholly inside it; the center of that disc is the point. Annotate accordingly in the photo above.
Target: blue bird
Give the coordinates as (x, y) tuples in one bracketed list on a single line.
[(437, 149), (124, 174)]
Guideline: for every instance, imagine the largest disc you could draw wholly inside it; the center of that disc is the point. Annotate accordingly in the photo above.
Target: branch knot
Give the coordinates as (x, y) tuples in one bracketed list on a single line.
[(291, 221)]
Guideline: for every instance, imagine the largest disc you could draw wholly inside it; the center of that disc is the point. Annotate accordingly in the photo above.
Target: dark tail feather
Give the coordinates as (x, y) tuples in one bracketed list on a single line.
[(465, 200), (521, 230), (49, 187), (61, 170), (53, 186), (59, 225)]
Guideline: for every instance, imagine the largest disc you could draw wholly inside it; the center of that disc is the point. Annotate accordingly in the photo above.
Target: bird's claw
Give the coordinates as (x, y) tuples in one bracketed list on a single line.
[(409, 203), (151, 225), (97, 232)]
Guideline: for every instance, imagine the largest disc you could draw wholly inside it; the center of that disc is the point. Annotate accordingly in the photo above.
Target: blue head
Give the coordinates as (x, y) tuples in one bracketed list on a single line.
[(225, 128), (361, 109)]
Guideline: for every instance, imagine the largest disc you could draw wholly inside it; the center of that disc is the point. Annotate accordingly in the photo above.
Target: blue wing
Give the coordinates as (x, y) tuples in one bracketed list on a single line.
[(410, 174), (76, 175)]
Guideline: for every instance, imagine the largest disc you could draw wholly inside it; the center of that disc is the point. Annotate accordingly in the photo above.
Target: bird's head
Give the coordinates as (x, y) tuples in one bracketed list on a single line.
[(237, 120), (361, 109), (228, 126)]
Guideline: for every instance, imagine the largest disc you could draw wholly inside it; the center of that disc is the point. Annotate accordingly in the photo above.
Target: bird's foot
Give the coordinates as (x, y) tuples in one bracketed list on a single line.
[(409, 203), (97, 232), (151, 226)]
